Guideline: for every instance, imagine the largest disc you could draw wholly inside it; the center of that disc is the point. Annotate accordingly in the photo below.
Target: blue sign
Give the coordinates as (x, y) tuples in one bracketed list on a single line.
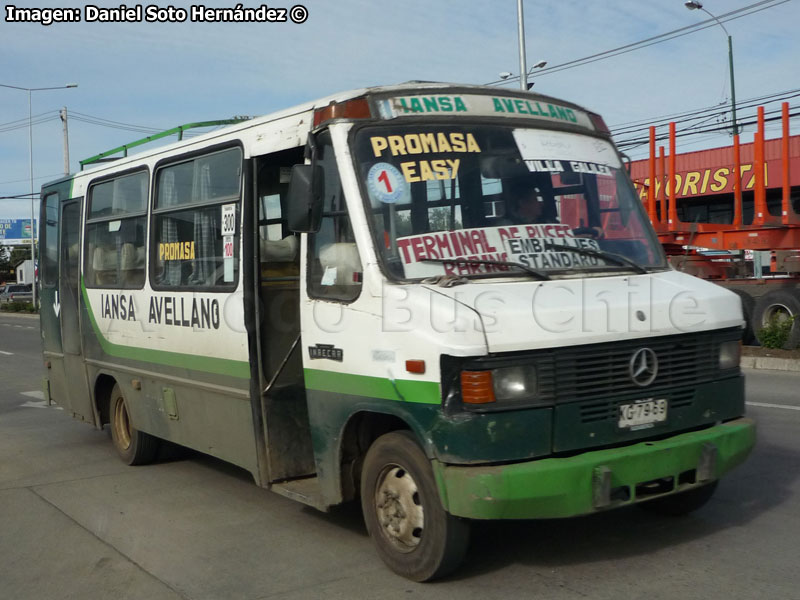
[(15, 232)]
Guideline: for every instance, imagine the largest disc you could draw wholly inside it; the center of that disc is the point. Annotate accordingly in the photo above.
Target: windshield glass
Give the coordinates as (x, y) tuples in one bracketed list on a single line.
[(442, 198)]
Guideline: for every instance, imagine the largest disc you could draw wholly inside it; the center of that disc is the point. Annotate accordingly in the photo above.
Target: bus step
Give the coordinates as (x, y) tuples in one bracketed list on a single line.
[(304, 490)]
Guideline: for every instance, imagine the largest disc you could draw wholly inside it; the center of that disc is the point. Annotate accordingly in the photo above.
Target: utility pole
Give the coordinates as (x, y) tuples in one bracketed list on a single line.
[(34, 199), (63, 115), (523, 66)]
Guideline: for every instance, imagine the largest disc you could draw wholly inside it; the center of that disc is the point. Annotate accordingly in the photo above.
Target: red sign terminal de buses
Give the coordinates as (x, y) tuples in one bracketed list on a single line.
[(718, 219)]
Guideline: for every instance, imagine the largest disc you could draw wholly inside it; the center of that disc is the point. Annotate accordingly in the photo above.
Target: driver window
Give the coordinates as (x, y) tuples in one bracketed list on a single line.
[(334, 264)]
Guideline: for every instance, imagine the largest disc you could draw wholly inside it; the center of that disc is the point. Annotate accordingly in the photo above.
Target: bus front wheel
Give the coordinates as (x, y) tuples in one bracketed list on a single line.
[(412, 532), (134, 447)]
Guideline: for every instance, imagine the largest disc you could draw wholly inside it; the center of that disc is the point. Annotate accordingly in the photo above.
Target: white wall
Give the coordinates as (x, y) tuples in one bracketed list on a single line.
[(25, 272)]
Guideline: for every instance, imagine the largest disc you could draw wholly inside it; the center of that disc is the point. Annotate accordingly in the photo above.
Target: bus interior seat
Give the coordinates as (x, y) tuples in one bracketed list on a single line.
[(131, 265), (285, 250), (104, 266), (342, 256)]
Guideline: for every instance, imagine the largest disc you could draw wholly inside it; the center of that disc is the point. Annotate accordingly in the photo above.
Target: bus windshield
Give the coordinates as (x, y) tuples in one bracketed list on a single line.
[(465, 200)]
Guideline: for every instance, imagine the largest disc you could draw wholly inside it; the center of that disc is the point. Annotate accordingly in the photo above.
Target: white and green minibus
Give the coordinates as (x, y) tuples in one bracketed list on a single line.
[(444, 300)]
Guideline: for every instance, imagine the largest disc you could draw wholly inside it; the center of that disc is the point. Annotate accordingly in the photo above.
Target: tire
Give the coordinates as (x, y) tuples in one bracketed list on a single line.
[(779, 303), (403, 513), (682, 503), (133, 446), (748, 305)]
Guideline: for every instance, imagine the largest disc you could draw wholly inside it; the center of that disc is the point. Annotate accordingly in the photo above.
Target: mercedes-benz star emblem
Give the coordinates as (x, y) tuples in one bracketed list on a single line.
[(643, 367)]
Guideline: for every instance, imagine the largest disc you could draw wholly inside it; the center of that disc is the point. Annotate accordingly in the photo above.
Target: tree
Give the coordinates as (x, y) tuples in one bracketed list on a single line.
[(10, 257)]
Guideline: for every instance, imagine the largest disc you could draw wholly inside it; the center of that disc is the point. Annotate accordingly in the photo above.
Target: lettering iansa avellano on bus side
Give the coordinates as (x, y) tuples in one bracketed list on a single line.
[(207, 340)]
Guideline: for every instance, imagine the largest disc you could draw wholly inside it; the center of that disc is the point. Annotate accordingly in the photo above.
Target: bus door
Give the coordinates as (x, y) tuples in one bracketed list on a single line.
[(288, 437), (77, 398), (50, 308)]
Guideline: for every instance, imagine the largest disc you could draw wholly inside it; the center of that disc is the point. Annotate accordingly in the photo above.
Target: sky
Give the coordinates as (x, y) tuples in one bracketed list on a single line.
[(160, 75)]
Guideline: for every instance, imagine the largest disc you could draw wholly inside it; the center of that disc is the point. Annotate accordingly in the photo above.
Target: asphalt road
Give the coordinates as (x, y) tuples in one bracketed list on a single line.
[(76, 523)]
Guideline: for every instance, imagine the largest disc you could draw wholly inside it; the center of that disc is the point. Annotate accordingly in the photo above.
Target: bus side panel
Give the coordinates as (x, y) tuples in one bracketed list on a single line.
[(207, 421)]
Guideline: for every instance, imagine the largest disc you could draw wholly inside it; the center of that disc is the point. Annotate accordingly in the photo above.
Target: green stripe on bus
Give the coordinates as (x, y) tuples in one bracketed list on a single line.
[(424, 392), (207, 364)]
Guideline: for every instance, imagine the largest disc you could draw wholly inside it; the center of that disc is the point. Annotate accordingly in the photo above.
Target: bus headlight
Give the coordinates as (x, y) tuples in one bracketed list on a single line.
[(514, 383), (729, 354), (518, 385)]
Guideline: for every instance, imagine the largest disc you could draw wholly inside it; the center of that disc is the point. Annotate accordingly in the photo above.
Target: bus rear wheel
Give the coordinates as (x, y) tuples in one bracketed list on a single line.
[(411, 531), (134, 447)]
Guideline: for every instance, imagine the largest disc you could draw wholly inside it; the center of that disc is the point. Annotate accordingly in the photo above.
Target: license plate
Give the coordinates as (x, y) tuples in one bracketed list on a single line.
[(642, 413)]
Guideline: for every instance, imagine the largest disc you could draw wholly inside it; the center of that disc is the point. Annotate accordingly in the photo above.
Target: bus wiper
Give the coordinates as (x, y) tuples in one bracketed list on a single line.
[(479, 261), (611, 257)]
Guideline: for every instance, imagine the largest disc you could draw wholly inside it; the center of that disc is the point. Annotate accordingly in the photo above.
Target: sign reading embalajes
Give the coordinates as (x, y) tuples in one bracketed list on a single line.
[(326, 351)]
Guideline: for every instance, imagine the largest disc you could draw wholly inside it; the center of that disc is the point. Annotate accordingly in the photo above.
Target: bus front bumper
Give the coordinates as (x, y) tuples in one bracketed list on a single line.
[(596, 480)]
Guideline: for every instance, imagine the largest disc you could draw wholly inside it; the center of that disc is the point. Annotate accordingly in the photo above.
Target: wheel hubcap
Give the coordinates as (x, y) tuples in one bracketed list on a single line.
[(122, 424), (778, 312), (399, 508)]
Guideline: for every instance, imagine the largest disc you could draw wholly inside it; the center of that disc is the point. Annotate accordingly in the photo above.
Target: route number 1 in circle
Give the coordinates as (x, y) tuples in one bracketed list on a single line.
[(386, 184)]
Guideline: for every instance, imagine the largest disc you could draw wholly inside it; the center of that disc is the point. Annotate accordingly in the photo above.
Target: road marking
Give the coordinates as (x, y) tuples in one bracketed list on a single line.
[(42, 404), (38, 395), (768, 405), (7, 353)]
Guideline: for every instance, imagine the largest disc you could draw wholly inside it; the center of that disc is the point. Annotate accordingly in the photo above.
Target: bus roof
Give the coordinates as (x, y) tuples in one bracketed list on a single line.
[(386, 102)]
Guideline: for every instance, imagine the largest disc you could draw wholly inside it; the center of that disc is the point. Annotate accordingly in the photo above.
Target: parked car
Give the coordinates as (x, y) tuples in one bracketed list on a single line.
[(17, 292)]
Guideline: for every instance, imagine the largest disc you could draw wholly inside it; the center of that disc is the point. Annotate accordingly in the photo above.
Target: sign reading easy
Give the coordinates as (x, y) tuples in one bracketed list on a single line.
[(15, 232)]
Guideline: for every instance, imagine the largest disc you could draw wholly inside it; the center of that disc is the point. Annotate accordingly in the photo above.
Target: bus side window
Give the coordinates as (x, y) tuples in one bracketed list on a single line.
[(334, 264), (190, 245), (49, 271), (116, 230)]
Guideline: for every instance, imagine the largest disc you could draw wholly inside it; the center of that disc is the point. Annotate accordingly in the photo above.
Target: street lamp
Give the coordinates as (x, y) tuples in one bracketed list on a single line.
[(694, 5), (507, 74), (30, 160)]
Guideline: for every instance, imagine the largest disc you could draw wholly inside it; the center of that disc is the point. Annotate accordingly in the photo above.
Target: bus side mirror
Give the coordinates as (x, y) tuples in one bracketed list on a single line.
[(304, 205)]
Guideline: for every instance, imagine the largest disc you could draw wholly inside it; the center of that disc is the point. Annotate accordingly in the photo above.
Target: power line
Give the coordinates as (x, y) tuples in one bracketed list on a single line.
[(641, 141), (28, 179), (719, 109), (36, 120), (664, 37), (642, 133)]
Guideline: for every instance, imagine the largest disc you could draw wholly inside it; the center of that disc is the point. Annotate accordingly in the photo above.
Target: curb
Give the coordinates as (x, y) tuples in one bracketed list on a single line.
[(774, 364)]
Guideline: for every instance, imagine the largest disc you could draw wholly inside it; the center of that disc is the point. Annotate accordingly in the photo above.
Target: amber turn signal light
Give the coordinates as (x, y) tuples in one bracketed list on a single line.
[(415, 366), (477, 387)]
